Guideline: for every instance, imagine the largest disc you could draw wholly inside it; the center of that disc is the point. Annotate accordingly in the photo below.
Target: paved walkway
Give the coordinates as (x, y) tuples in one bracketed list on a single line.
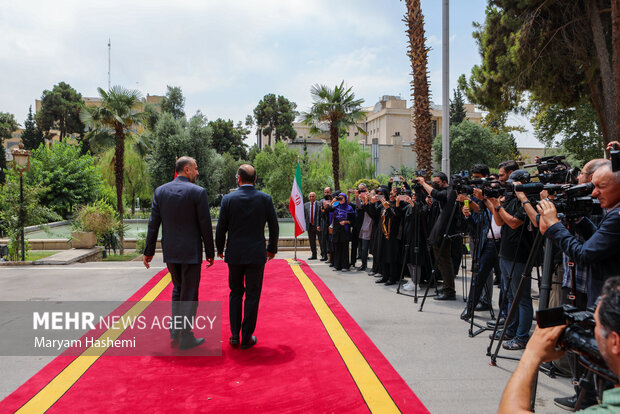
[(431, 350)]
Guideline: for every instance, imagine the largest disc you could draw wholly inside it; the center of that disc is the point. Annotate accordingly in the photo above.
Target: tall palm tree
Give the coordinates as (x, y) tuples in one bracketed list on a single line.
[(116, 115), (418, 53), (338, 109)]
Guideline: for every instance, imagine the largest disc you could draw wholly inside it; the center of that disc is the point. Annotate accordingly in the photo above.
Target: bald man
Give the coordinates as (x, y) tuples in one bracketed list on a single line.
[(243, 215)]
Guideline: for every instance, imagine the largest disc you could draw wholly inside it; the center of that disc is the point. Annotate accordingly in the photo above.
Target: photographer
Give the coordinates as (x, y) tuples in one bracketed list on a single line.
[(600, 250), (542, 347), (444, 226), (516, 242), (483, 228), (365, 229), (324, 224)]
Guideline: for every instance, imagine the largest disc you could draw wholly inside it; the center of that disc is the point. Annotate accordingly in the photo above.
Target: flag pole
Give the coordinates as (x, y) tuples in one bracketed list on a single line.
[(295, 261)]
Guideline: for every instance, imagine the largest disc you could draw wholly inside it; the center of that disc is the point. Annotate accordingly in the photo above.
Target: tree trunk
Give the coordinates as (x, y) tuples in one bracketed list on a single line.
[(119, 156), (597, 102), (333, 135), (421, 117), (615, 40), (604, 61)]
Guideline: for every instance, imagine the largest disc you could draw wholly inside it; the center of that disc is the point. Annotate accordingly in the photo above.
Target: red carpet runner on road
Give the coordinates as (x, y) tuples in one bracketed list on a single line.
[(311, 356)]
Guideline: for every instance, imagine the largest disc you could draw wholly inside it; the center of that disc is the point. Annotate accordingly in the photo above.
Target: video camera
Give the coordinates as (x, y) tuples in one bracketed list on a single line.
[(573, 201), (578, 337)]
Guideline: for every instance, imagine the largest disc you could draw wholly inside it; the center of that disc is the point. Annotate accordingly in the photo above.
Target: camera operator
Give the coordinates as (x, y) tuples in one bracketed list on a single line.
[(542, 347), (488, 239), (515, 245), (442, 246), (600, 249)]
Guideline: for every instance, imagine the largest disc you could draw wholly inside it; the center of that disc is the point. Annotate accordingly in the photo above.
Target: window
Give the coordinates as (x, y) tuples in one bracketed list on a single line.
[(397, 134)]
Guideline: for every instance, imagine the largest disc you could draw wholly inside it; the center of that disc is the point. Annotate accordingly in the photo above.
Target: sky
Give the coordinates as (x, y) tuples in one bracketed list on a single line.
[(226, 55)]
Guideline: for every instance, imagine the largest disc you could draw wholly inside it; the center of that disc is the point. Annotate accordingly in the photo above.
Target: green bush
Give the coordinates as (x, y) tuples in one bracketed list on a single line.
[(370, 183), (100, 218)]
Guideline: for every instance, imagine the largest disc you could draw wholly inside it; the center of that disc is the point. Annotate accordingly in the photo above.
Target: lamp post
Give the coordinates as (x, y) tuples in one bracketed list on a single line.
[(21, 163)]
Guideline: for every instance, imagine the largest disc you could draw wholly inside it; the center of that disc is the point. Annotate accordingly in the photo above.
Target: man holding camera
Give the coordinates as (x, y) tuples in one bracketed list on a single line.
[(443, 228), (600, 250), (543, 347), (516, 242)]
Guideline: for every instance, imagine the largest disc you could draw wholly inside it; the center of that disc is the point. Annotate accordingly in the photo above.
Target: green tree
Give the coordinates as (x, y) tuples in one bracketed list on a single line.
[(32, 136), (338, 109), (174, 102), (173, 138), (35, 212), (576, 129), (275, 115), (276, 169), (457, 108), (68, 178), (60, 110), (228, 138), (253, 152), (136, 177), (466, 140), (8, 125), (556, 52), (116, 113)]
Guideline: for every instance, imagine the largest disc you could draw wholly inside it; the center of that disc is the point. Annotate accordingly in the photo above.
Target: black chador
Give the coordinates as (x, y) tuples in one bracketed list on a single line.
[(414, 227), (374, 211), (390, 247)]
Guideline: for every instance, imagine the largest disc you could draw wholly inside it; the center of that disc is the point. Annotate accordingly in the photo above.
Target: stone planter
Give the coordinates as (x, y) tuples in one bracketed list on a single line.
[(83, 239)]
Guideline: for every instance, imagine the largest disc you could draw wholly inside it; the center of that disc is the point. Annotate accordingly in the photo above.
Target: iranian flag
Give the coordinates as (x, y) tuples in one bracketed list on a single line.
[(296, 203)]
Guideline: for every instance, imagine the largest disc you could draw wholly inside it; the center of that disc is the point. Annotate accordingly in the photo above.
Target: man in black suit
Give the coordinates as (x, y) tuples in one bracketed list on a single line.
[(182, 208), (243, 215), (311, 213)]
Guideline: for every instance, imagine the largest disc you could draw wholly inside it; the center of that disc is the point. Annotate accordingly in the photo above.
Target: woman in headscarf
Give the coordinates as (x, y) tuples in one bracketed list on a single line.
[(341, 235)]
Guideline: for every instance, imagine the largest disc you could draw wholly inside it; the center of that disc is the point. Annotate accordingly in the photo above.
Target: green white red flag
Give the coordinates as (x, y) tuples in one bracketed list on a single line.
[(296, 203)]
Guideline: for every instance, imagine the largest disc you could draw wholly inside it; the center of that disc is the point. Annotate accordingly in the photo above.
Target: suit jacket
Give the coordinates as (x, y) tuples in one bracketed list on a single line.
[(243, 215), (182, 209), (317, 208), (599, 251)]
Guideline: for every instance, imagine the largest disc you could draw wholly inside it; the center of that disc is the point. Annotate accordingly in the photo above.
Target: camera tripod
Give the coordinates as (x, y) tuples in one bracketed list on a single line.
[(475, 273), (433, 278), (415, 226)]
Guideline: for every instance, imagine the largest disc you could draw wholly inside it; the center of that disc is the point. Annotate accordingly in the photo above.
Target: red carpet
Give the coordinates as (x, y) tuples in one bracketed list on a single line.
[(295, 367)]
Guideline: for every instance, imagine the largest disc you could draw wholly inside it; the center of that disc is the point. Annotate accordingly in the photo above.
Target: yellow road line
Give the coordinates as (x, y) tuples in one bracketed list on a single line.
[(374, 393), (58, 386)]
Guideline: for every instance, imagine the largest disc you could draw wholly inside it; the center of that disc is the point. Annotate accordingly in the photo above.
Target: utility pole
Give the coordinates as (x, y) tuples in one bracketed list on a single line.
[(445, 66), (109, 61)]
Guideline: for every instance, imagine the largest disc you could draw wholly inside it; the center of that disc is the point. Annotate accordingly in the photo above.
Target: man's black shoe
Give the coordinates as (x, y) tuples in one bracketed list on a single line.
[(250, 344), (389, 283), (361, 268), (445, 296), (382, 280), (569, 403), (466, 314), (190, 342), (323, 259), (233, 340), (480, 307), (331, 264), (491, 324), (312, 258)]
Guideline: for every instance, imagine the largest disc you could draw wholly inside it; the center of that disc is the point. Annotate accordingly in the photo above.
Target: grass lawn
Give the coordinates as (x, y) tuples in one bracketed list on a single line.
[(33, 255), (118, 258)]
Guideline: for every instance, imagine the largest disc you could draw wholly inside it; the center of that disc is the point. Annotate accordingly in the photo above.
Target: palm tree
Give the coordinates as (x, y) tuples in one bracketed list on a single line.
[(417, 53), (338, 109), (116, 115)]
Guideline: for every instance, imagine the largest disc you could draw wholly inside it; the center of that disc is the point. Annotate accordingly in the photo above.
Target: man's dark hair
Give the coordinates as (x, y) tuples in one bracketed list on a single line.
[(609, 307), (245, 175), (182, 162), (509, 166), (480, 169), (442, 176)]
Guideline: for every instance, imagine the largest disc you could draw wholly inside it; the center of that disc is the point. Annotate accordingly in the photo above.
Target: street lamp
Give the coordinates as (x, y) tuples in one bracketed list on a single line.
[(21, 163)]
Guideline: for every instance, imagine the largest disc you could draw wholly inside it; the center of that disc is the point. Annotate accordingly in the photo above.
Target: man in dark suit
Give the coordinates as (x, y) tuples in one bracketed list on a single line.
[(311, 213), (243, 215), (182, 208)]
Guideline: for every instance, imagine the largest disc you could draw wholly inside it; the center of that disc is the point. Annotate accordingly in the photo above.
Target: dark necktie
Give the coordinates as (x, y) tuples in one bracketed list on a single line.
[(312, 214)]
